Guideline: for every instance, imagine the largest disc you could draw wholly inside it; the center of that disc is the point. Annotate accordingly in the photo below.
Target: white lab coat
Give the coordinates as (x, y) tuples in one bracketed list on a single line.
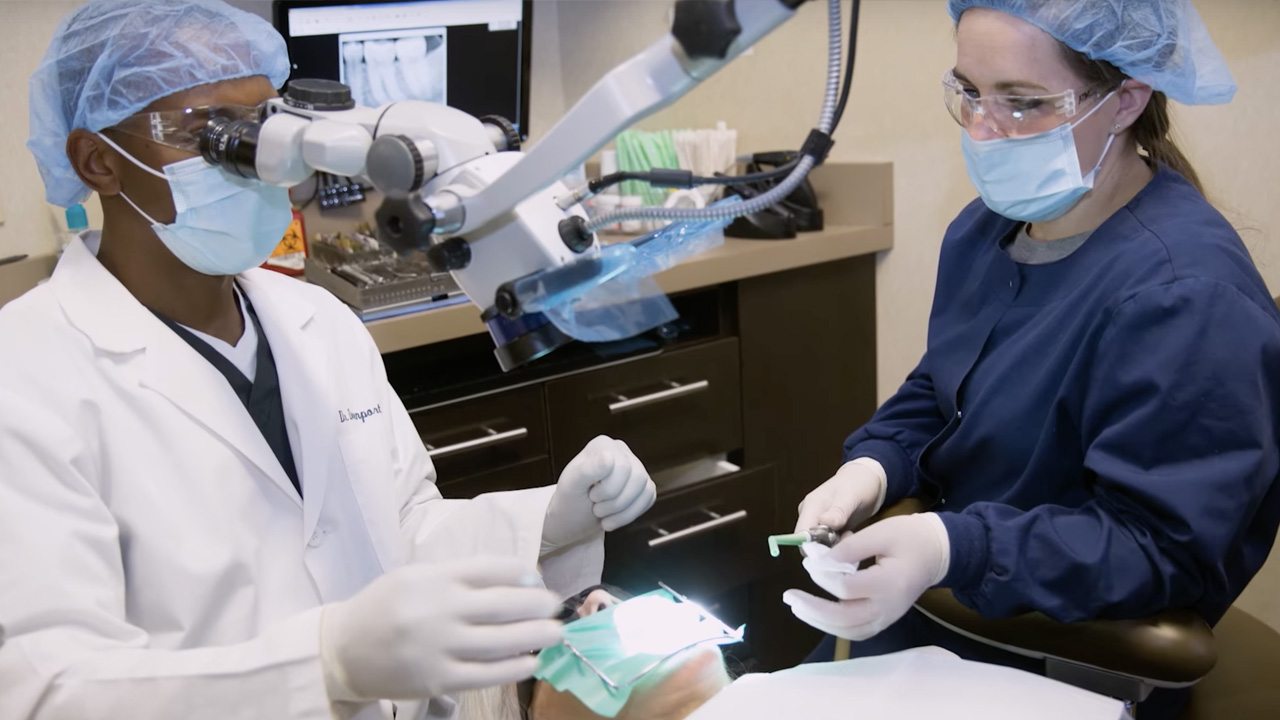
[(155, 560)]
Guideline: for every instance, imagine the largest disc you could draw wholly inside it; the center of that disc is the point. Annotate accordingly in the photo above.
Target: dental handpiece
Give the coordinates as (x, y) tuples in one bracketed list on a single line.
[(819, 534)]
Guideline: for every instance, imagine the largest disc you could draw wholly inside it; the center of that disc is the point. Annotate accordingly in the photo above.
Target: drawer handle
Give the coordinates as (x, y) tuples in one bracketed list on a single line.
[(489, 439), (676, 390), (717, 520)]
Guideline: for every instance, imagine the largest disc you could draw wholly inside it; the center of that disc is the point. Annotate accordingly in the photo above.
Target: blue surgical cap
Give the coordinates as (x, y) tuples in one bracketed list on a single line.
[(112, 58), (1162, 43)]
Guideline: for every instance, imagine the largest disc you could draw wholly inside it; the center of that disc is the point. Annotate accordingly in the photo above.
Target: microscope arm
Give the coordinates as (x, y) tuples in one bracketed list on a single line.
[(702, 41)]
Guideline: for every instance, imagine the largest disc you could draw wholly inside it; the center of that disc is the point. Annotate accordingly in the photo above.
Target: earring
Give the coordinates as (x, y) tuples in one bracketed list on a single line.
[(1115, 130)]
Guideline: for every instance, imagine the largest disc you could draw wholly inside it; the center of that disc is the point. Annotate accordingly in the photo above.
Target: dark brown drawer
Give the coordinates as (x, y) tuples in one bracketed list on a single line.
[(670, 408), (702, 540), (481, 435), (529, 474)]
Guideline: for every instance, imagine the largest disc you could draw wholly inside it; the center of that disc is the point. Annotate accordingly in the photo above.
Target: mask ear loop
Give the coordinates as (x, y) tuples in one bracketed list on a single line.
[(1111, 136), (140, 164), (1093, 174), (131, 158)]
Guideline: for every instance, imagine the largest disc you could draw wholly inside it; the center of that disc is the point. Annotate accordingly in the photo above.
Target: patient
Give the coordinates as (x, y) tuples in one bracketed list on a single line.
[(680, 686), (672, 692), (695, 683)]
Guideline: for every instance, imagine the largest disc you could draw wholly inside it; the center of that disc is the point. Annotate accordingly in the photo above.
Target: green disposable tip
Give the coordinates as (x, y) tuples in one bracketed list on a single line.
[(788, 539)]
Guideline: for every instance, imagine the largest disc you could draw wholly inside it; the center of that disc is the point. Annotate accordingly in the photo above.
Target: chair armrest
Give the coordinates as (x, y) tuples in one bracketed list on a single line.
[(1174, 648)]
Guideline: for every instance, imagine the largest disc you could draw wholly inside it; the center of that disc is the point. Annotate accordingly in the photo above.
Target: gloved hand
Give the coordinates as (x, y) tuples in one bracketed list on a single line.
[(852, 495), (428, 630), (912, 554), (600, 490)]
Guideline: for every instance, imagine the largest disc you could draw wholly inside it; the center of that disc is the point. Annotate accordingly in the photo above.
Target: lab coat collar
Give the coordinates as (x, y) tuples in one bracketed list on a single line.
[(99, 306), (294, 312), (108, 314), (96, 303), (303, 357)]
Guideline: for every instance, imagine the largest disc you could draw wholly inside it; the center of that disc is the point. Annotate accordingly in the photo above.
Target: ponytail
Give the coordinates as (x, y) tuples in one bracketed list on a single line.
[(1151, 132)]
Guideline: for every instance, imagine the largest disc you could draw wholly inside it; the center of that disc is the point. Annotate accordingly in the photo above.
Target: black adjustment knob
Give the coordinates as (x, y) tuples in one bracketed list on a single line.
[(705, 28), (505, 300), (318, 94), (509, 133), (452, 254), (394, 165), (405, 224), (574, 235)]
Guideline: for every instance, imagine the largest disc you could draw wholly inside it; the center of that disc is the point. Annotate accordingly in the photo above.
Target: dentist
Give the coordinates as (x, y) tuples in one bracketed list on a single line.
[(212, 503)]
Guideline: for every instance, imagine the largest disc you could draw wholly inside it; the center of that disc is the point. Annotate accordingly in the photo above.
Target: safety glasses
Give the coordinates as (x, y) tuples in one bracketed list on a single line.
[(1011, 115), (180, 129)]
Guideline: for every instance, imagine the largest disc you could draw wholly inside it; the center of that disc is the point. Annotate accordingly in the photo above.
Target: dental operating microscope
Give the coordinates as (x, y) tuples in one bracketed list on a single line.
[(500, 220)]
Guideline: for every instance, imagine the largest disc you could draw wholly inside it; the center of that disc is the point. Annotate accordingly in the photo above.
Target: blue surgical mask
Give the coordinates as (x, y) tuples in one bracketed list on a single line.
[(225, 224), (1034, 178)]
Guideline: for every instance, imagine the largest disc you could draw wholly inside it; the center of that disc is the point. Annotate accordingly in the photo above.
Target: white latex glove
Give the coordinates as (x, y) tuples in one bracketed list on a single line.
[(912, 554), (600, 490), (852, 495), (432, 629)]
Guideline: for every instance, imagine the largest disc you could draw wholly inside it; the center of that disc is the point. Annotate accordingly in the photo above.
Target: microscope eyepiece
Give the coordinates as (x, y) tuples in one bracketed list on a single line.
[(231, 145)]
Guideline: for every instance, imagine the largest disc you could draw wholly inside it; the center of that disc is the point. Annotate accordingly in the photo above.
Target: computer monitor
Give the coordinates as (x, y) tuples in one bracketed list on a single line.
[(469, 54)]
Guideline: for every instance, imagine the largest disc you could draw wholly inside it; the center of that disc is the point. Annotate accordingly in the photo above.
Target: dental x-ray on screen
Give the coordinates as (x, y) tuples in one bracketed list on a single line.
[(388, 67)]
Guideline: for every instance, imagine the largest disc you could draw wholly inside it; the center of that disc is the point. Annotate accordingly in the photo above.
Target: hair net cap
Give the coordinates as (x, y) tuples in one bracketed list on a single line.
[(1162, 43), (111, 58)]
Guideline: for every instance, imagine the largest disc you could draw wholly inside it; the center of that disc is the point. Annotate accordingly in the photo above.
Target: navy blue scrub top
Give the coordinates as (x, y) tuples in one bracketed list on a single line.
[(1100, 432)]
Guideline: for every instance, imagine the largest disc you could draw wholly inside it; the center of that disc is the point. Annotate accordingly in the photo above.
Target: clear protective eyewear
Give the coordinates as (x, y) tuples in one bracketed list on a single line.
[(1011, 115), (181, 129)]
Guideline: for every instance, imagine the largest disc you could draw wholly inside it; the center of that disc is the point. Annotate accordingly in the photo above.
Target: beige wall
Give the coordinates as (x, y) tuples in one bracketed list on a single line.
[(1236, 149), (29, 224), (772, 97)]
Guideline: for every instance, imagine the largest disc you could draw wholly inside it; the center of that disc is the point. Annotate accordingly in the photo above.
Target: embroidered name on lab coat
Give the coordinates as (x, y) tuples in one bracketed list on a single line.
[(360, 415)]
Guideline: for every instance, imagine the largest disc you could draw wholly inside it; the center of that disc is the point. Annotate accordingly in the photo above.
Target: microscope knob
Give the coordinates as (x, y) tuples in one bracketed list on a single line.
[(449, 255), (394, 165), (405, 223), (705, 28), (318, 94), (509, 133)]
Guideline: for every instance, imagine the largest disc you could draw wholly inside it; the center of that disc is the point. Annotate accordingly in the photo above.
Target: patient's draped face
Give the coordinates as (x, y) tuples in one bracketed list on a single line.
[(681, 685), (653, 656)]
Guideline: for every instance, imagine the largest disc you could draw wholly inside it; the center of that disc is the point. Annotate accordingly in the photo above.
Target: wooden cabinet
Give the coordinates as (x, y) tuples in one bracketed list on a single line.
[(772, 364), (486, 436), (672, 408), (706, 540), (698, 539), (770, 372), (528, 474)]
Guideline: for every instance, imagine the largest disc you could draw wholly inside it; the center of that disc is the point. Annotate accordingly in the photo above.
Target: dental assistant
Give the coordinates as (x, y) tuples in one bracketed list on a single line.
[(1096, 417), (212, 503)]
